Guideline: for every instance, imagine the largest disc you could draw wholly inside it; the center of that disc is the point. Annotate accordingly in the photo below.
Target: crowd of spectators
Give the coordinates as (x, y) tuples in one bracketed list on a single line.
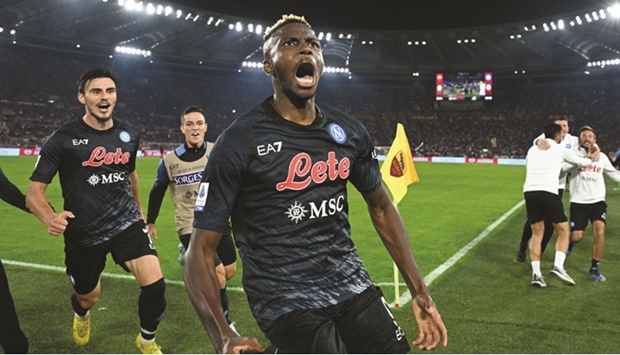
[(38, 93)]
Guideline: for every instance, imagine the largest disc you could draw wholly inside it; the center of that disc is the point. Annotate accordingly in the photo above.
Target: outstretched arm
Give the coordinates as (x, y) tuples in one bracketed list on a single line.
[(204, 292), (391, 229)]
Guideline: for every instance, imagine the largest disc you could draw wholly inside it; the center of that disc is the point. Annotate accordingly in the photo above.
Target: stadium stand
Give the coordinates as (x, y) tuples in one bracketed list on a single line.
[(38, 93)]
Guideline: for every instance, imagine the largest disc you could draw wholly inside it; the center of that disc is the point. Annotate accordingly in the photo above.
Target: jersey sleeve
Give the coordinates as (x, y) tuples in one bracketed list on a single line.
[(220, 183), (156, 196), (49, 160), (365, 173)]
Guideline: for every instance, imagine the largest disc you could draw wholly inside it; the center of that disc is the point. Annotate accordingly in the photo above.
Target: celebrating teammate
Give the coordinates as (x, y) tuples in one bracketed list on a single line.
[(587, 200), (182, 170), (95, 158), (280, 172)]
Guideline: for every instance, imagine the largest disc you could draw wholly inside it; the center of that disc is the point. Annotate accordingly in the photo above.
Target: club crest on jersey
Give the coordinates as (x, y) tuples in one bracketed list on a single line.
[(568, 145), (124, 136), (337, 133)]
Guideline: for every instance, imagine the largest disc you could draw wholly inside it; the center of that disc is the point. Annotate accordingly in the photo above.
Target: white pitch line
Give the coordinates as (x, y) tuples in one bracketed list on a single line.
[(105, 274), (406, 297)]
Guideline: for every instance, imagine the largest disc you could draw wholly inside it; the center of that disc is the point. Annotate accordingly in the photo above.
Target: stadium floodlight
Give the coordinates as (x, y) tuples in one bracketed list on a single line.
[(168, 11), (160, 9), (259, 29), (150, 9), (238, 26), (1, 29), (614, 10), (179, 13)]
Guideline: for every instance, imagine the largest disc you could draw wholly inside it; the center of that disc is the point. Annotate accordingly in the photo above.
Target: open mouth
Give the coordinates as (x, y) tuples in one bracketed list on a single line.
[(104, 106), (305, 74)]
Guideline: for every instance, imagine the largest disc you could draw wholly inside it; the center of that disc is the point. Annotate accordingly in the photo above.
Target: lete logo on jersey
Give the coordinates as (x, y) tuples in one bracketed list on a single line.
[(100, 156), (302, 167)]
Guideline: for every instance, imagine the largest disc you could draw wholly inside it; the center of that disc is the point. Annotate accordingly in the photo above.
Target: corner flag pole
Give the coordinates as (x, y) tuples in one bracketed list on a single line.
[(398, 172)]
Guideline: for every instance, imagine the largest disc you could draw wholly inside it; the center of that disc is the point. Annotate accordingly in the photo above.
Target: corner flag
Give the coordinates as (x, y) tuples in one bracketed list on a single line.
[(398, 170)]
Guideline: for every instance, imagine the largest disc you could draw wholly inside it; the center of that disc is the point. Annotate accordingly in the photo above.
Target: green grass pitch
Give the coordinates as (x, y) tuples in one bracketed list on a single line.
[(485, 298)]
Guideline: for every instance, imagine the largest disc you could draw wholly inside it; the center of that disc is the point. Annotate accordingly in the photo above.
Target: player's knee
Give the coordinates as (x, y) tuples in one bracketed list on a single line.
[(152, 303)]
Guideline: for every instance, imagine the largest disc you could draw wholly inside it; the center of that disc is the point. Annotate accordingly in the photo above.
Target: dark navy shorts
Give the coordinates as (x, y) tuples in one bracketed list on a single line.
[(581, 213), (85, 265), (362, 324)]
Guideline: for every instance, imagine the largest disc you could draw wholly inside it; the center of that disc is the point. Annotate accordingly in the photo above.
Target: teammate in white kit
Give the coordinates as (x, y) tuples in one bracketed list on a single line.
[(587, 200), (543, 202)]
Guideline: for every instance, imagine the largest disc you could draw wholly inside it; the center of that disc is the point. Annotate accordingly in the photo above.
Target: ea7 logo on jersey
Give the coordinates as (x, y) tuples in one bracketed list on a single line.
[(265, 149), (80, 141)]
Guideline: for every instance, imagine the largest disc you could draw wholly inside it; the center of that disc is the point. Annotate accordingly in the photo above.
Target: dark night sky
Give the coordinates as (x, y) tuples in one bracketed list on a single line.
[(396, 15)]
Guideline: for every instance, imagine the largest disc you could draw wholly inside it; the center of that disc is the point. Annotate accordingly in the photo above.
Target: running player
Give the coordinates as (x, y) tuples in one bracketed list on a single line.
[(280, 172), (95, 158), (182, 171)]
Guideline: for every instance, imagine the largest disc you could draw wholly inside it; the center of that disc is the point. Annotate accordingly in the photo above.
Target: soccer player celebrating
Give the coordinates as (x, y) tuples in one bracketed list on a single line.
[(182, 171), (587, 200), (280, 172), (95, 157)]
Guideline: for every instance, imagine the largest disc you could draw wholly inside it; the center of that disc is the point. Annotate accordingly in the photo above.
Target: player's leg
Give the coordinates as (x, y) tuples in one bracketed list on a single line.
[(578, 223), (535, 209), (183, 246), (84, 267), (134, 251), (12, 338), (561, 247), (526, 235), (599, 220), (368, 325), (547, 234)]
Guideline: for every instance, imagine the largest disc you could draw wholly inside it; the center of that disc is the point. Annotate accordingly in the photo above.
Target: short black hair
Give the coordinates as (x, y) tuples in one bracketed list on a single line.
[(94, 73), (552, 129), (191, 109)]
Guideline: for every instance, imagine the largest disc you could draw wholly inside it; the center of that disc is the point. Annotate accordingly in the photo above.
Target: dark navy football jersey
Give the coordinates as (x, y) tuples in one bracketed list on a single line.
[(93, 168), (285, 187)]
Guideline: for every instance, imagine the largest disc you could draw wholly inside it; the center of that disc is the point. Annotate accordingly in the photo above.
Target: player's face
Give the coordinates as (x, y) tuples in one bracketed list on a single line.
[(297, 61), (564, 125), (587, 139), (99, 98), (194, 128)]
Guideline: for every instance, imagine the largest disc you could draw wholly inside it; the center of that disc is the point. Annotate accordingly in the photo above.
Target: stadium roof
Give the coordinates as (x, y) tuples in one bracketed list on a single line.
[(386, 40)]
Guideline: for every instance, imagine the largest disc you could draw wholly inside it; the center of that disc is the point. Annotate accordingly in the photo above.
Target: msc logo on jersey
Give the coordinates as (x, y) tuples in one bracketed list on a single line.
[(337, 133), (188, 179), (105, 179), (298, 212)]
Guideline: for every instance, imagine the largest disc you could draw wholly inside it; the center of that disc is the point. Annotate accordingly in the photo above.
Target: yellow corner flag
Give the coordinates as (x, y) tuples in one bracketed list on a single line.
[(398, 170)]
